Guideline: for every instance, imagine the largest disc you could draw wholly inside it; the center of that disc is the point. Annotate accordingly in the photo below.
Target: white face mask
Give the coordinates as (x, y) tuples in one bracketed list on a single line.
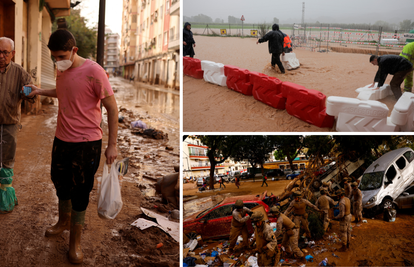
[(64, 64)]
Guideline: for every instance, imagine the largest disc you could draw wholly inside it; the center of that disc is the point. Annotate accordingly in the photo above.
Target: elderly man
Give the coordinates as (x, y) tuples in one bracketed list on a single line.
[(266, 242), (298, 206), (238, 225), (291, 234), (12, 79), (344, 218)]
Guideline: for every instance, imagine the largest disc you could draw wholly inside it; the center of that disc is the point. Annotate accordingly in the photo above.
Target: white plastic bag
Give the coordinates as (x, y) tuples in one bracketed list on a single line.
[(109, 193)]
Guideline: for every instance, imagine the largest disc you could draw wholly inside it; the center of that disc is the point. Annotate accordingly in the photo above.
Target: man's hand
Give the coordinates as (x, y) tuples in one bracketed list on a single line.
[(372, 85), (257, 42), (35, 91), (184, 43), (376, 88), (283, 53), (111, 153), (194, 45)]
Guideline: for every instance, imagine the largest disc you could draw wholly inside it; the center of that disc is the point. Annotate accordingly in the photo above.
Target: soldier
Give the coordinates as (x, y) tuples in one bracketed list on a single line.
[(266, 242), (323, 204), (357, 203), (347, 187), (299, 211), (344, 218), (291, 235), (238, 225), (327, 186)]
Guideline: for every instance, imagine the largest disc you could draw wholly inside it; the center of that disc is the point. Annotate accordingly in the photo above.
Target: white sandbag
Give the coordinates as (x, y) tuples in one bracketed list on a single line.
[(366, 93), (403, 112)]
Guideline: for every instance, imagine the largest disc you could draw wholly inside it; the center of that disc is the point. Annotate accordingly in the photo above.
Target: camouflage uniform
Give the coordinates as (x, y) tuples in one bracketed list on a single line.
[(323, 204), (266, 238), (238, 226), (345, 220), (299, 213), (291, 235), (348, 190), (357, 203)]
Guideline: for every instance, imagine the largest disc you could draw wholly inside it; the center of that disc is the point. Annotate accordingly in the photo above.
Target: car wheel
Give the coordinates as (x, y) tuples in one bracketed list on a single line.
[(316, 184), (387, 203), (192, 235)]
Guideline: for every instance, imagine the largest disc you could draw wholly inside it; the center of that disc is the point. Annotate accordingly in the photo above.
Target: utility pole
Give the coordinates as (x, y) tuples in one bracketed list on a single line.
[(303, 13), (101, 34)]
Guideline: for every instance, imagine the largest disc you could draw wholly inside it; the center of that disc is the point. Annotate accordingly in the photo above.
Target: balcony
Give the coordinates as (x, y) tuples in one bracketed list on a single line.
[(206, 166), (175, 8)]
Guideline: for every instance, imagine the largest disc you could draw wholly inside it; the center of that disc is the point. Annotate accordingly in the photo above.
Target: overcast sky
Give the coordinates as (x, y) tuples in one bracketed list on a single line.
[(290, 11)]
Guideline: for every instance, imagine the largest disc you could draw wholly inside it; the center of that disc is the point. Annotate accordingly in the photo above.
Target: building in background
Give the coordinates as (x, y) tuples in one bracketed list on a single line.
[(150, 41), (29, 24), (111, 52)]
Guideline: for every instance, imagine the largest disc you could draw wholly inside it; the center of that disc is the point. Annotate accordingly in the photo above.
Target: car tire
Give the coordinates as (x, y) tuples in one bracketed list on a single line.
[(386, 203), (316, 184), (192, 235)]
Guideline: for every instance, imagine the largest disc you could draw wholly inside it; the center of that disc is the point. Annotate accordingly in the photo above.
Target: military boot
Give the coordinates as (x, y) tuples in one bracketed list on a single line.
[(76, 224), (65, 208)]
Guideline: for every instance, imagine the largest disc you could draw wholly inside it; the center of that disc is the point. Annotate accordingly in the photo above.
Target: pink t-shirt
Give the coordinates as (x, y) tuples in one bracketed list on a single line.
[(79, 91)]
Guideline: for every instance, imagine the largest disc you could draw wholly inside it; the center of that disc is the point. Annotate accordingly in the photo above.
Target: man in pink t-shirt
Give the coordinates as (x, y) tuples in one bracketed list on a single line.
[(81, 85)]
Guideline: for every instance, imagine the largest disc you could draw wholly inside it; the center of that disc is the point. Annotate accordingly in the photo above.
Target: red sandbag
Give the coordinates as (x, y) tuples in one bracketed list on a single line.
[(268, 90), (238, 79), (192, 67)]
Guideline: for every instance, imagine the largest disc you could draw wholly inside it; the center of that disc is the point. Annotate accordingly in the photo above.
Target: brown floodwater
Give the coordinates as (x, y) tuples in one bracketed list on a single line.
[(212, 108)]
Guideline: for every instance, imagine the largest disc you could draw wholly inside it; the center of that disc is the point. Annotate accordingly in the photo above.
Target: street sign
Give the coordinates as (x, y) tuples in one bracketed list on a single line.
[(223, 31), (242, 18), (253, 32)]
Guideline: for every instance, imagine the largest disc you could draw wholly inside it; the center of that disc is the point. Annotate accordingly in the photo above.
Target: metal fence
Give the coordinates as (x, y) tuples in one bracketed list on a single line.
[(322, 38)]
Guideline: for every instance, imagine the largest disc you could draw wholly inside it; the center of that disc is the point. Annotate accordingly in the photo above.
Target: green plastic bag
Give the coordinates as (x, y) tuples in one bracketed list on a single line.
[(7, 194)]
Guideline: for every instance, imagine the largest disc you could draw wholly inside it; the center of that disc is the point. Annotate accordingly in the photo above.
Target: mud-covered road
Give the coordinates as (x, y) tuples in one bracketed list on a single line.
[(104, 242), (375, 243)]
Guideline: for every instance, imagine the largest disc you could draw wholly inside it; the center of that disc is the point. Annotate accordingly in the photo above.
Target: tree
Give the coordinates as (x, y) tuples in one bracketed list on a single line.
[(202, 18), (217, 20), (263, 29), (86, 38), (318, 146), (287, 146), (406, 25), (220, 147), (254, 148), (233, 20)]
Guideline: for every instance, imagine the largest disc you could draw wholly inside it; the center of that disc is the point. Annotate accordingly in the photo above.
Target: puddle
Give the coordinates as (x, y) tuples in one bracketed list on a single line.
[(197, 205)]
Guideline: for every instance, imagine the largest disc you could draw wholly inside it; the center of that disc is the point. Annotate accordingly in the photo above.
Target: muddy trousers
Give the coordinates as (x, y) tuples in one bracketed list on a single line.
[(301, 219), (358, 210), (234, 234), (325, 220), (268, 258), (397, 80), (276, 61), (345, 229), (290, 242), (264, 182), (8, 147), (222, 184), (73, 169)]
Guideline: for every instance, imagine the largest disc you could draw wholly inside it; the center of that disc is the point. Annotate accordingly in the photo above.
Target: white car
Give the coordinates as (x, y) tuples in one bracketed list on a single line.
[(386, 178)]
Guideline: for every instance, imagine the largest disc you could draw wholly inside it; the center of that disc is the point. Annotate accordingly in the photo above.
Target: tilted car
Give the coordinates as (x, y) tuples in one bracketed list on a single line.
[(293, 175), (215, 222), (406, 199), (386, 178)]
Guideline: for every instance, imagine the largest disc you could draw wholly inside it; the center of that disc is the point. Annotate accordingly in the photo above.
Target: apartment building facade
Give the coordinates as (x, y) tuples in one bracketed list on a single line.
[(150, 41), (111, 51)]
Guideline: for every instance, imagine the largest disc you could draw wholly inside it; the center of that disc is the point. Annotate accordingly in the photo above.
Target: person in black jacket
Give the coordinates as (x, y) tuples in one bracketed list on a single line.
[(275, 38), (391, 64), (188, 41)]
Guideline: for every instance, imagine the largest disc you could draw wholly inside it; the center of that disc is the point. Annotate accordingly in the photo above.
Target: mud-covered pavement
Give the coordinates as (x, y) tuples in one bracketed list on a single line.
[(375, 243), (104, 242)]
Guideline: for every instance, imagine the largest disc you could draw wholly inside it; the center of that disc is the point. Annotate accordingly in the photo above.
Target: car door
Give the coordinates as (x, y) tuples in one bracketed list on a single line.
[(406, 173), (406, 201), (217, 222)]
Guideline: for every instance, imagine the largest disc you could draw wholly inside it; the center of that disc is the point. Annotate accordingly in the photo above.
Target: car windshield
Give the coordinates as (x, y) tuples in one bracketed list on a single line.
[(371, 180), (207, 210)]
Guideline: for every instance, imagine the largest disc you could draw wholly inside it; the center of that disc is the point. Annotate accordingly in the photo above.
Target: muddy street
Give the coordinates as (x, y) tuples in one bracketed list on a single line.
[(374, 243), (104, 242)]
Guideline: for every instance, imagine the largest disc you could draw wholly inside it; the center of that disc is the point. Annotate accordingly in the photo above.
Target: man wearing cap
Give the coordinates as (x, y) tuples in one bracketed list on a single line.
[(347, 187), (344, 218), (298, 206), (291, 235), (266, 242), (357, 203), (327, 186), (238, 225), (323, 204)]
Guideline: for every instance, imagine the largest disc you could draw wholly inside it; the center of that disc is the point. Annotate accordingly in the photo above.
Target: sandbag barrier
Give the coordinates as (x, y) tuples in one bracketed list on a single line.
[(192, 67)]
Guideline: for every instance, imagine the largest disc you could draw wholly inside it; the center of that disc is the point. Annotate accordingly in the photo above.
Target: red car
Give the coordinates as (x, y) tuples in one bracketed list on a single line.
[(215, 222)]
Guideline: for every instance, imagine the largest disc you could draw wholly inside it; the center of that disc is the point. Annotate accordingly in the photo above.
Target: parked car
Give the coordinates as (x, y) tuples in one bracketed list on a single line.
[(215, 222), (287, 171), (293, 175), (245, 175), (200, 181), (274, 173), (406, 199), (319, 172), (387, 178)]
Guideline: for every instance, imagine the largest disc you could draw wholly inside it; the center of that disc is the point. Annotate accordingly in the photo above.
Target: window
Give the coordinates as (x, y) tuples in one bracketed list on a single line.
[(251, 205), (391, 173), (134, 18), (167, 6), (161, 10), (220, 212), (410, 190), (165, 38), (147, 22), (401, 163), (172, 33), (159, 40), (409, 155)]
